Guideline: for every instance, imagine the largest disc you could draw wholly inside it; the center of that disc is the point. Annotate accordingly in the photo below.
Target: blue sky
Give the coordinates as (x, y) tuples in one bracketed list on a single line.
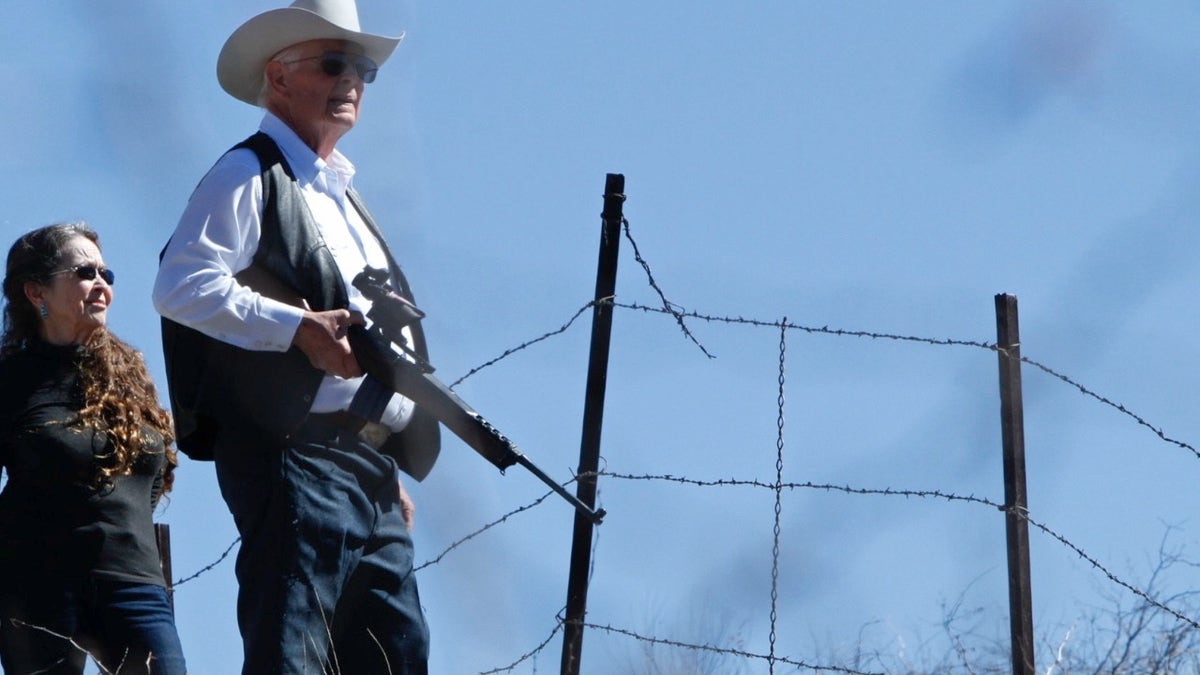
[(886, 167)]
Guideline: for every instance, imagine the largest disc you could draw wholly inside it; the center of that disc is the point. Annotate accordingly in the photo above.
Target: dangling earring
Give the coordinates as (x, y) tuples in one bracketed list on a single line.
[(43, 310)]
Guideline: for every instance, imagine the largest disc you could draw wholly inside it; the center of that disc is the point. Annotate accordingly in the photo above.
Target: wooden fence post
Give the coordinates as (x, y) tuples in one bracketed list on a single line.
[(1016, 506), (162, 536)]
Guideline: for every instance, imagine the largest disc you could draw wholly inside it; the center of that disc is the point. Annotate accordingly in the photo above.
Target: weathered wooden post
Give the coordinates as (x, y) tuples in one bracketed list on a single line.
[(1016, 506)]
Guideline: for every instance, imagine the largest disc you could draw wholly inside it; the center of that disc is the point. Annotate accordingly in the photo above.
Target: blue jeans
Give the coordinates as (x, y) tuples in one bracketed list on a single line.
[(51, 626), (325, 580)]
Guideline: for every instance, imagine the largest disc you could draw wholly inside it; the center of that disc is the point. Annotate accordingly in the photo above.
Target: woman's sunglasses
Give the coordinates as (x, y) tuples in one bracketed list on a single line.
[(89, 273), (334, 64)]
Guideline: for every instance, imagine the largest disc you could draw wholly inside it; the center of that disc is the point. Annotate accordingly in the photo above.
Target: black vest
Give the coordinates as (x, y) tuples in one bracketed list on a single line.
[(219, 390)]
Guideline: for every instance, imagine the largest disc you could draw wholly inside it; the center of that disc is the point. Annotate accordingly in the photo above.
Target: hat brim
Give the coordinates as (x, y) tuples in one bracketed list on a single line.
[(245, 54)]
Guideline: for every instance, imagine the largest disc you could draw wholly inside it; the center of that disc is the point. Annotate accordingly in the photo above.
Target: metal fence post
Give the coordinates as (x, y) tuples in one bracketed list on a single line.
[(593, 416)]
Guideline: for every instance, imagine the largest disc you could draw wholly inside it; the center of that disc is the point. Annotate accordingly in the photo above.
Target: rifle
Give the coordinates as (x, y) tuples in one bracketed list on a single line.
[(411, 375)]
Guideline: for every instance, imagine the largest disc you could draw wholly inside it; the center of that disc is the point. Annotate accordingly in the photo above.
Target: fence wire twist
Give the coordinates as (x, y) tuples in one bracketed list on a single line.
[(779, 423)]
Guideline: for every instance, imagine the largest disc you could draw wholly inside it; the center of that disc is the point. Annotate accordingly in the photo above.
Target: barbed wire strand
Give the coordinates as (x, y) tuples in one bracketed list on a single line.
[(793, 485), (524, 345), (776, 487), (947, 496), (667, 306), (729, 652), (1112, 577), (839, 332), (529, 654), (1112, 404), (675, 311), (209, 566), (481, 530)]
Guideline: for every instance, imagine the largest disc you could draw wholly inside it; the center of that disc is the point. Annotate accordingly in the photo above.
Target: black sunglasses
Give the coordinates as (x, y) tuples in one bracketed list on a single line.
[(89, 272), (334, 64)]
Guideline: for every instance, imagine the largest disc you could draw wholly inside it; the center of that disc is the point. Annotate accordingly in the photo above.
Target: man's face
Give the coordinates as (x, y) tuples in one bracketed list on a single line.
[(315, 103)]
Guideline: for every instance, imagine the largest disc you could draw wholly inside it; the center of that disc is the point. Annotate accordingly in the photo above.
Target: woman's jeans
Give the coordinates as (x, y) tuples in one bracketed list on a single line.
[(52, 626)]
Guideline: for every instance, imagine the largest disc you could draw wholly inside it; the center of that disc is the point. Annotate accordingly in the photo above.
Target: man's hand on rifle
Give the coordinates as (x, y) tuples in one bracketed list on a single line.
[(322, 338)]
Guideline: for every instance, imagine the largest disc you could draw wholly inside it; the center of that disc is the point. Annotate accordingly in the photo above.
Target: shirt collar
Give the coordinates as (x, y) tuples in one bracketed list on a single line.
[(305, 163)]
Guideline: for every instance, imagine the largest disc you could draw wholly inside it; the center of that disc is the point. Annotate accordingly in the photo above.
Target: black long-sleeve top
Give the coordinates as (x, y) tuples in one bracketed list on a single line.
[(54, 517)]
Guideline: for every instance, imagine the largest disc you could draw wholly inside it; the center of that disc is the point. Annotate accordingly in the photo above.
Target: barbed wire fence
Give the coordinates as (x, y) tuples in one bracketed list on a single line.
[(681, 317)]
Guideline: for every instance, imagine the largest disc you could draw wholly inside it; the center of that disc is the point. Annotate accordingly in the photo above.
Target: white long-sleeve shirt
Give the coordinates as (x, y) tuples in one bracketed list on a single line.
[(217, 237)]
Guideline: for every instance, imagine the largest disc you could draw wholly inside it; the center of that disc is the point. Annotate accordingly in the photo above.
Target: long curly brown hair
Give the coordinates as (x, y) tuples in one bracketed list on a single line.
[(119, 397)]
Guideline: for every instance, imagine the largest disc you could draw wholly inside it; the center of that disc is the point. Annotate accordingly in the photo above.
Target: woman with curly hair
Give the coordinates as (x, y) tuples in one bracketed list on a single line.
[(86, 449)]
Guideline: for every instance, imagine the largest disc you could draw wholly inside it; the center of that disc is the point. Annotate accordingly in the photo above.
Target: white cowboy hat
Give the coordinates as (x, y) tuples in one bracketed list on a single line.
[(246, 52)]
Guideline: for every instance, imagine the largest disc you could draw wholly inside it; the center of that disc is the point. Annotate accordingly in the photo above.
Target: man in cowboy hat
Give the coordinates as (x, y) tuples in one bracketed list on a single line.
[(255, 288)]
